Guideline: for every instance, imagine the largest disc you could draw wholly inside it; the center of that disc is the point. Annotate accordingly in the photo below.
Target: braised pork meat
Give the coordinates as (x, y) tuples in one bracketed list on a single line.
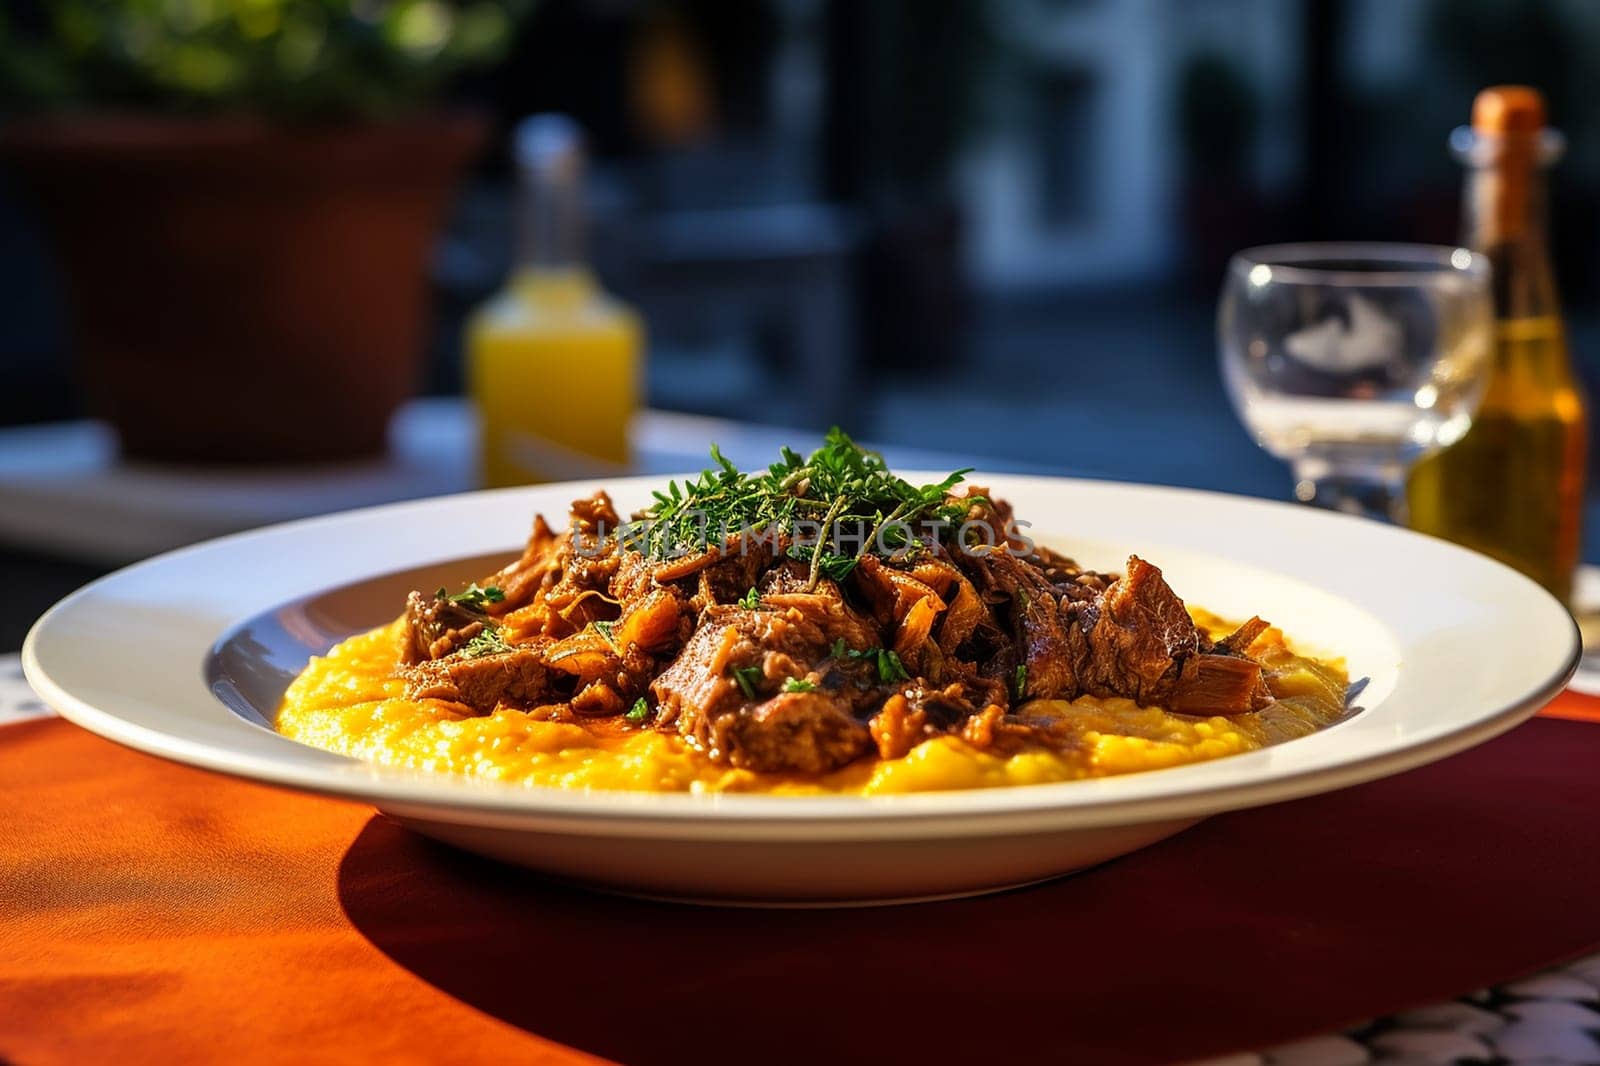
[(776, 655)]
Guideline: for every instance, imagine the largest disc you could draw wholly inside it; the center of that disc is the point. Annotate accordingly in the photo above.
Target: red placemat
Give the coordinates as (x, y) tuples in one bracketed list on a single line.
[(153, 913)]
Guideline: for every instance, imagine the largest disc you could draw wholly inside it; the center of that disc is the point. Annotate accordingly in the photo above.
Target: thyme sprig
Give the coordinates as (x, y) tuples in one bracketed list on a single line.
[(840, 487)]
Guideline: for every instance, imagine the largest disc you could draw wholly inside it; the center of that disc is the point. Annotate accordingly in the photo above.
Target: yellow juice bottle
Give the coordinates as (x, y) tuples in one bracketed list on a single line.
[(554, 365)]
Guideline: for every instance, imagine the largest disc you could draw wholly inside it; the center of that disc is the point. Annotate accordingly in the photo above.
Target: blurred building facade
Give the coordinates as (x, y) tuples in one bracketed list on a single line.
[(877, 186)]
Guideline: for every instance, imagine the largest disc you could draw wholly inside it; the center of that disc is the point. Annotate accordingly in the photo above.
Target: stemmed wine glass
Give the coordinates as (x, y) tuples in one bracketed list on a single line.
[(1352, 361)]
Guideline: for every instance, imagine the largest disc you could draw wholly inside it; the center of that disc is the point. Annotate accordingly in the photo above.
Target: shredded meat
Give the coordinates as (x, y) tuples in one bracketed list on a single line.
[(435, 627), (725, 692), (752, 659), (519, 677), (1052, 650), (1140, 637), (795, 732)]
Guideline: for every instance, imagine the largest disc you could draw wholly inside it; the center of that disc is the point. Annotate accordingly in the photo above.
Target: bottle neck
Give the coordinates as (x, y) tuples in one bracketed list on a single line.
[(550, 220), (1505, 218)]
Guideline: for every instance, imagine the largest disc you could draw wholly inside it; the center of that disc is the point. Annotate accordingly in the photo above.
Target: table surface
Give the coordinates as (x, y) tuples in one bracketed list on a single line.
[(1547, 1017)]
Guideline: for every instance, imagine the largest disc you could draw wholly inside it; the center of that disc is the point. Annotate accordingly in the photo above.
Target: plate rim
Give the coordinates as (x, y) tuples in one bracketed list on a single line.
[(725, 816)]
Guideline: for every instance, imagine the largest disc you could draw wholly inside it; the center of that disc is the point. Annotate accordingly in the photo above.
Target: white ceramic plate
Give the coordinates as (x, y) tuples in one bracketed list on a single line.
[(185, 656), (1586, 605)]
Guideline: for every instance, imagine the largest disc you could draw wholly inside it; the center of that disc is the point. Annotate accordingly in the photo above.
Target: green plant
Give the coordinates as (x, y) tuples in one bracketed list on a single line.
[(286, 58)]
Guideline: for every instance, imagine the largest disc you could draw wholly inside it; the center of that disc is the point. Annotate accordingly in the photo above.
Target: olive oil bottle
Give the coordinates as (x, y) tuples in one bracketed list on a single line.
[(554, 364), (1512, 487)]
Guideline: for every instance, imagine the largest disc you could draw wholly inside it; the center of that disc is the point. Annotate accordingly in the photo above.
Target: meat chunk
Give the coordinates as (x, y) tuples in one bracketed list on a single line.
[(1142, 635), (436, 626), (791, 575), (704, 679), (794, 732), (536, 569), (733, 575), (1052, 651), (807, 676), (518, 677), (656, 620), (825, 613), (595, 514), (1218, 684), (724, 690), (1238, 642), (898, 728)]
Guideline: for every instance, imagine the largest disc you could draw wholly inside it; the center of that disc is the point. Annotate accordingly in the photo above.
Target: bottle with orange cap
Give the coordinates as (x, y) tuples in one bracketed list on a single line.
[(1512, 487)]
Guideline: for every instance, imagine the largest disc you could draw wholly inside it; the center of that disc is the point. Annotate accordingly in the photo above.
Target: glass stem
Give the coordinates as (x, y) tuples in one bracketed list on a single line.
[(1375, 491)]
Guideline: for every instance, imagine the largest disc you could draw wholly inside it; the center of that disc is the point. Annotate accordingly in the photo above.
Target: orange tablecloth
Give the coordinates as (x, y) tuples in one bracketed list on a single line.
[(152, 913)]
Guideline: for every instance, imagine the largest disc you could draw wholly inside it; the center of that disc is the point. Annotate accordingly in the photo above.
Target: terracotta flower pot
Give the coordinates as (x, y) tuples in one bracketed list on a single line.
[(242, 291)]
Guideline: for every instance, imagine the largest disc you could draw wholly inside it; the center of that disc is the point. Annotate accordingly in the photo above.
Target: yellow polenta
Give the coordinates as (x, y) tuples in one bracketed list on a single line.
[(349, 701)]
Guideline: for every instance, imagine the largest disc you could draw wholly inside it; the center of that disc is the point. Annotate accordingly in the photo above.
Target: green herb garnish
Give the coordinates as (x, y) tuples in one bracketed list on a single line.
[(890, 668), (829, 565), (885, 660), (1021, 682), (798, 684), (639, 712), (487, 642), (746, 678), (839, 487), (751, 601), (606, 634), (473, 596)]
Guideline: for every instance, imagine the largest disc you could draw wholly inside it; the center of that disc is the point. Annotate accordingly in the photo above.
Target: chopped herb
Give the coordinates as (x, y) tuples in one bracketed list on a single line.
[(473, 596), (488, 642), (1021, 684), (639, 712), (751, 601), (798, 684), (606, 634), (829, 565), (887, 662), (746, 677), (890, 668)]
